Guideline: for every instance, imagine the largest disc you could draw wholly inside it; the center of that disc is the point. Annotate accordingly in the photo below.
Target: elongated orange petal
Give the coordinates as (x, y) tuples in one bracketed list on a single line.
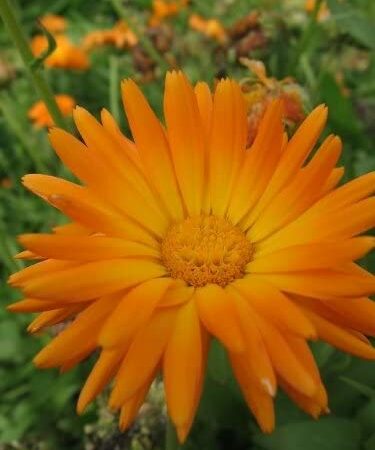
[(310, 405), (152, 144), (48, 318), (255, 358), (186, 139), (358, 312), (35, 305), (227, 143), (285, 361), (71, 229), (340, 337), (93, 279), (143, 356), (85, 248), (81, 206), (133, 311), (182, 364), (124, 192), (259, 402), (78, 338), (332, 181), (218, 314), (105, 368), (297, 151), (323, 283), (300, 194), (259, 163), (320, 255), (273, 305), (204, 101)]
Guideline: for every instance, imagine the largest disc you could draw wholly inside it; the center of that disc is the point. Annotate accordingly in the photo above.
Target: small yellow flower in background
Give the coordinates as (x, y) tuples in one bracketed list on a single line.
[(261, 92), (65, 56), (162, 9), (187, 234), (323, 13), (211, 28), (120, 35), (40, 116), (54, 23)]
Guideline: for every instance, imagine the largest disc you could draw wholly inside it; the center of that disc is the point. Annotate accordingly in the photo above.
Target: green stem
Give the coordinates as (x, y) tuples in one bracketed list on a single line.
[(114, 87), (142, 38), (20, 41), (306, 36), (25, 142), (171, 442)]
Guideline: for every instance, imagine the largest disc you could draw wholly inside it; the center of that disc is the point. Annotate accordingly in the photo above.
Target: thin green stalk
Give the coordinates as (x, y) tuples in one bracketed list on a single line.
[(142, 38), (171, 442), (114, 87), (20, 41), (306, 36), (11, 120)]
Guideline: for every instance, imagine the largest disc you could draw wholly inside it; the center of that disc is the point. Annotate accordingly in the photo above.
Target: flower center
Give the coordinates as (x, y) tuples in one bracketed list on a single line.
[(206, 249)]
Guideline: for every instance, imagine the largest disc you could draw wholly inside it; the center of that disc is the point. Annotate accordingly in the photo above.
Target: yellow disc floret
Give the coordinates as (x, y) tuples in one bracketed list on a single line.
[(206, 249)]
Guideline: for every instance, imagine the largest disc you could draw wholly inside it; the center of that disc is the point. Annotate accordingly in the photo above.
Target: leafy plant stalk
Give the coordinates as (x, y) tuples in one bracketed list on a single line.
[(20, 42)]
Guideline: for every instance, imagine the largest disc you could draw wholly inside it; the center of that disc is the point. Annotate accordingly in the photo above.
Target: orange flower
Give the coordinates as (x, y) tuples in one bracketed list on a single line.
[(65, 56), (40, 115), (323, 12), (260, 94), (162, 9), (54, 23), (211, 28), (120, 36), (184, 235)]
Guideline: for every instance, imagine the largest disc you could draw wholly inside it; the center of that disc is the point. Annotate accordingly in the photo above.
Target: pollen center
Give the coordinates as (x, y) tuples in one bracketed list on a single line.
[(206, 249)]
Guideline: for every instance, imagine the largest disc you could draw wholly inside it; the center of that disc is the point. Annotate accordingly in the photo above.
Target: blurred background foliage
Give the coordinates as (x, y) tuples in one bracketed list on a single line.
[(328, 51)]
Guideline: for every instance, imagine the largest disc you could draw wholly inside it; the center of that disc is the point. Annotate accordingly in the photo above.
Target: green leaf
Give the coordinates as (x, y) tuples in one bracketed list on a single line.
[(354, 22), (326, 434)]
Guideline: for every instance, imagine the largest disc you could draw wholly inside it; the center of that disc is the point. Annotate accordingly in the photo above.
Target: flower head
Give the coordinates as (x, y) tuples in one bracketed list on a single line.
[(120, 35), (186, 234), (211, 28), (54, 23), (162, 9), (40, 115), (261, 92), (65, 56)]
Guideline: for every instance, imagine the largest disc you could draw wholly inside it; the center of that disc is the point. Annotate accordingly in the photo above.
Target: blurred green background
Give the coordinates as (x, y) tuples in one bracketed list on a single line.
[(329, 55)]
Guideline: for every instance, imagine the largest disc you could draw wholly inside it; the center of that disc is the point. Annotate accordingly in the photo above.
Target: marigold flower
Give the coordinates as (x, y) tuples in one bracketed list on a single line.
[(184, 235), (261, 93), (162, 9), (120, 35), (54, 23), (65, 56), (211, 28), (40, 115)]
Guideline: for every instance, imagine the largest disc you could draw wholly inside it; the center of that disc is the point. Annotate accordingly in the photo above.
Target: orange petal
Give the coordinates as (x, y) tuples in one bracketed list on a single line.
[(218, 314), (80, 337), (340, 337), (105, 368), (259, 402), (227, 143), (152, 144), (297, 151), (273, 305), (143, 356), (134, 310), (259, 163), (186, 139), (92, 280), (285, 361), (322, 255), (84, 248), (182, 364), (48, 318)]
